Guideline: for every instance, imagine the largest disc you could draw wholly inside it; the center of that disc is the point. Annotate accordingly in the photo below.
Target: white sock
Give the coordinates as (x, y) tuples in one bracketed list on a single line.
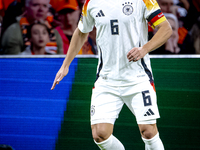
[(154, 143), (112, 143)]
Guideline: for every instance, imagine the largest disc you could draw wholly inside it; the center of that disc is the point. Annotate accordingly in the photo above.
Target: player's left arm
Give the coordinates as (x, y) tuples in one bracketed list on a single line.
[(161, 36)]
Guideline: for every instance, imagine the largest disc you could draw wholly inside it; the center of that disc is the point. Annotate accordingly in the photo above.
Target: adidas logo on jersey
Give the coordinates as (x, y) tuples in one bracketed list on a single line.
[(100, 14), (149, 113)]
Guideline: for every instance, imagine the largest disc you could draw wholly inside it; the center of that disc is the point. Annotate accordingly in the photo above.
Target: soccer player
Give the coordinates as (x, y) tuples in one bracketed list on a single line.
[(124, 73)]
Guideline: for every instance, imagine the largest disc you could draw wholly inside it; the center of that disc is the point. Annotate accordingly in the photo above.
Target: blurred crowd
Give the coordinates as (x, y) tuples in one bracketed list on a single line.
[(33, 27), (184, 17)]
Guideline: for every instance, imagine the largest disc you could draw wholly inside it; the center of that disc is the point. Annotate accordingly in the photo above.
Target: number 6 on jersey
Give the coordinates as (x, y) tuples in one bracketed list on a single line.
[(114, 27)]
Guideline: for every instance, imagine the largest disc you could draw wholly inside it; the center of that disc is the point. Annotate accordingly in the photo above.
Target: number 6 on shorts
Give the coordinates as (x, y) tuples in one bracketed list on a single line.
[(146, 98)]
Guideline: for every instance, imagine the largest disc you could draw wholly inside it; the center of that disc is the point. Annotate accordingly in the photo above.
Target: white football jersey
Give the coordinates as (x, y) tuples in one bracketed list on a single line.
[(120, 26)]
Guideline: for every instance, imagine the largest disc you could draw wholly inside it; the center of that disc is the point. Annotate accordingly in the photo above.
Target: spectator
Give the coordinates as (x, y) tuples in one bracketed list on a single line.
[(167, 6), (15, 40), (175, 7), (68, 16), (183, 3), (196, 36), (172, 43), (193, 14), (38, 35), (172, 46), (4, 5), (184, 41), (15, 9)]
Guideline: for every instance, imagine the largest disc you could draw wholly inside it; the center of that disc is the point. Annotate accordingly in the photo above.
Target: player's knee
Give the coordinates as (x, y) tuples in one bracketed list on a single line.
[(100, 134), (147, 134), (148, 131)]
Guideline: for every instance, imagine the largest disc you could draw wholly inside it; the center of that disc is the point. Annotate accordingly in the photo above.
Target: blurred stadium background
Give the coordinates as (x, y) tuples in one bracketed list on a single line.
[(32, 117)]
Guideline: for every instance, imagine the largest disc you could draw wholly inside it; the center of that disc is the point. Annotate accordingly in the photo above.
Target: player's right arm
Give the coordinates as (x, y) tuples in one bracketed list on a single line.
[(77, 41)]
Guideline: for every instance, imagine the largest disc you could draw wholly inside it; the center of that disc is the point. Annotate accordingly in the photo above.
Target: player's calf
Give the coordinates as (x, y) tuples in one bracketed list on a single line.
[(150, 136)]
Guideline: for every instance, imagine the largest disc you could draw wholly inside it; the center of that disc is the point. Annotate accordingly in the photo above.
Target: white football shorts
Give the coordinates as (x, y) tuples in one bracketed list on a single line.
[(107, 102)]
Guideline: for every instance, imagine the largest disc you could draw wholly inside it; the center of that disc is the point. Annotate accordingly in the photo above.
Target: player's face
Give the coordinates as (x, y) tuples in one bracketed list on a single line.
[(165, 5), (38, 9), (39, 36)]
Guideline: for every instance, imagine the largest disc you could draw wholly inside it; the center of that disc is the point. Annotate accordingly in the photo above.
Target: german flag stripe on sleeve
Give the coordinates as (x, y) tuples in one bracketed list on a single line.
[(85, 8), (156, 18)]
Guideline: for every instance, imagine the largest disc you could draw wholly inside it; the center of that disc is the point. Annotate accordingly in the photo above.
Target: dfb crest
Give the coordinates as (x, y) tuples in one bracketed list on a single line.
[(127, 8)]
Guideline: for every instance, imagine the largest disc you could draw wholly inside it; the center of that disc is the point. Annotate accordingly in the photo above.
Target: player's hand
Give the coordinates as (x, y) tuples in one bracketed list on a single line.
[(136, 54), (59, 76)]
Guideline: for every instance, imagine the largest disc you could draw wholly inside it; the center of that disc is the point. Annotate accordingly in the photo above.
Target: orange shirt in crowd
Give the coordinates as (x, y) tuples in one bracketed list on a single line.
[(182, 32)]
